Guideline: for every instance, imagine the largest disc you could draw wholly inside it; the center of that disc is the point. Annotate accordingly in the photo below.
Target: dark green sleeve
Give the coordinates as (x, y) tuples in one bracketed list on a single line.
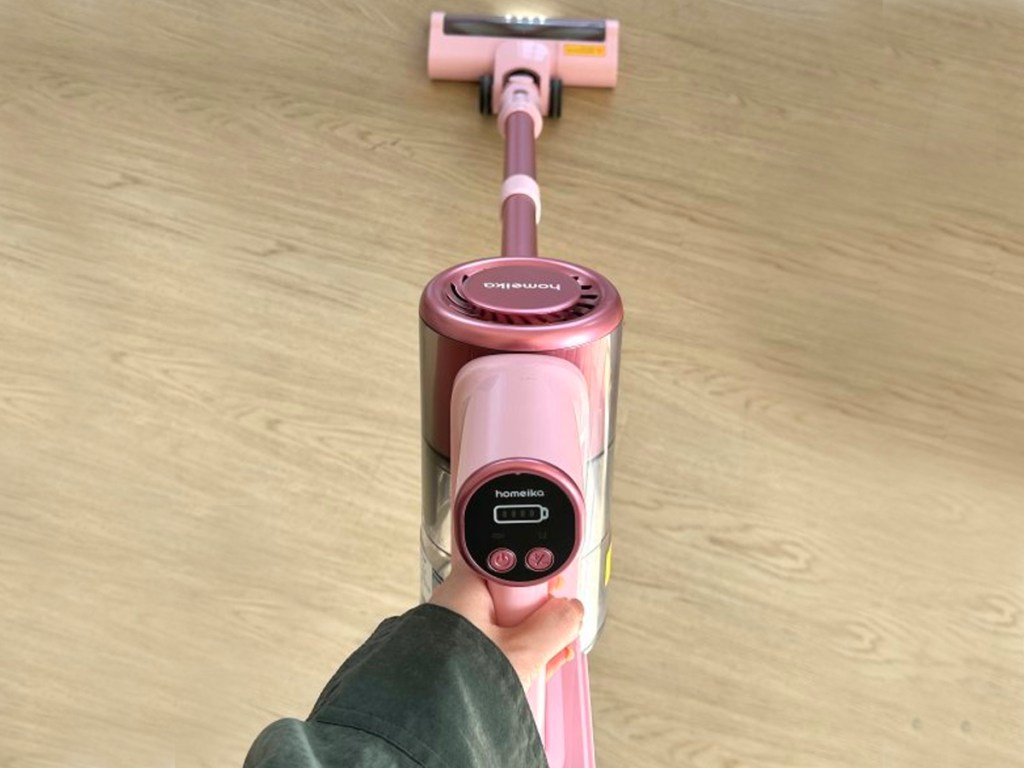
[(427, 689)]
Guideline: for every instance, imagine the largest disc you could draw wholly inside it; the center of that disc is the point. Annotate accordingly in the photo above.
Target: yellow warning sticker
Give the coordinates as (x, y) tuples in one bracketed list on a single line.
[(608, 566), (582, 49)]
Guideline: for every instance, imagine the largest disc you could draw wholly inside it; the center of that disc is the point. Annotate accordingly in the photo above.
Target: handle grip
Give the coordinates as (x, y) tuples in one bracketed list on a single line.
[(560, 706), (512, 605), (568, 727), (526, 416)]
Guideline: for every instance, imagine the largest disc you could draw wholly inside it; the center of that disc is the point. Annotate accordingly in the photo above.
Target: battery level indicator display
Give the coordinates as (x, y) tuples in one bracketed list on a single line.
[(505, 514)]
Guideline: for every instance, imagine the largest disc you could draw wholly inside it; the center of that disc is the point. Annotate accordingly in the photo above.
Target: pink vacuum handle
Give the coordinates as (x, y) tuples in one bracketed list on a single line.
[(515, 409), (511, 606), (518, 406), (568, 726), (561, 706)]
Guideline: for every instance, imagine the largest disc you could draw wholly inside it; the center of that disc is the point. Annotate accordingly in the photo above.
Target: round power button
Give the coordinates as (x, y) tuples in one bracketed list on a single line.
[(501, 560)]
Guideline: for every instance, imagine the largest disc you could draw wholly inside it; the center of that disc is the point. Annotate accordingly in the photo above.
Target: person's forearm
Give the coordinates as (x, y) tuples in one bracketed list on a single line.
[(427, 689)]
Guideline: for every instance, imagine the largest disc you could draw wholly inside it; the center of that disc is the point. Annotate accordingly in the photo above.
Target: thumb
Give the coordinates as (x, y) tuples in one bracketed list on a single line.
[(544, 633)]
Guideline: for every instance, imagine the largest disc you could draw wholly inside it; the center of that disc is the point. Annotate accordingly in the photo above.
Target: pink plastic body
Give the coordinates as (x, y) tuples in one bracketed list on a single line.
[(469, 57), (451, 339), (529, 413)]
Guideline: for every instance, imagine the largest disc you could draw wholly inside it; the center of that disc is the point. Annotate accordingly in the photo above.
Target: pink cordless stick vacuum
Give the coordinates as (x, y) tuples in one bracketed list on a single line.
[(519, 372)]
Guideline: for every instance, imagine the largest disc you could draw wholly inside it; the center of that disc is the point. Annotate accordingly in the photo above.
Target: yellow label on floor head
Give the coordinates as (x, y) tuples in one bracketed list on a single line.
[(608, 565), (582, 49)]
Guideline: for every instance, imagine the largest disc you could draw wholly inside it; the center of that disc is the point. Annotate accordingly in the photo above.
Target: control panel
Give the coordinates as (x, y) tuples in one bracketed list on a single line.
[(520, 527)]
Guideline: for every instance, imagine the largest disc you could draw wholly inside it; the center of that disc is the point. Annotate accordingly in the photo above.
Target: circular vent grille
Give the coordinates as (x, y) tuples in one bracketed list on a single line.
[(587, 302)]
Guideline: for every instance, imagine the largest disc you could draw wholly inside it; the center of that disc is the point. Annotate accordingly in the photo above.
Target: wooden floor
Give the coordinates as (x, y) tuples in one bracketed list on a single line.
[(215, 221)]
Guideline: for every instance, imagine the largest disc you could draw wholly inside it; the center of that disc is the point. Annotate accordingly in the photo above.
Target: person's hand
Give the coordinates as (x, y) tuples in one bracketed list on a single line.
[(540, 642)]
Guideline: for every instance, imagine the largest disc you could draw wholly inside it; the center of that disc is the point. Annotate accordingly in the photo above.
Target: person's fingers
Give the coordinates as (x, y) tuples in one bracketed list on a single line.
[(560, 660), (543, 634)]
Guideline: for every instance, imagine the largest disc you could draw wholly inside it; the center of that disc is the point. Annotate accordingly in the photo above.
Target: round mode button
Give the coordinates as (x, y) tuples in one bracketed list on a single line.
[(539, 559)]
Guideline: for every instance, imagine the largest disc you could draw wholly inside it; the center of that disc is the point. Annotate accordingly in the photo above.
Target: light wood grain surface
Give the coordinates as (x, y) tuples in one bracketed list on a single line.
[(215, 221)]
